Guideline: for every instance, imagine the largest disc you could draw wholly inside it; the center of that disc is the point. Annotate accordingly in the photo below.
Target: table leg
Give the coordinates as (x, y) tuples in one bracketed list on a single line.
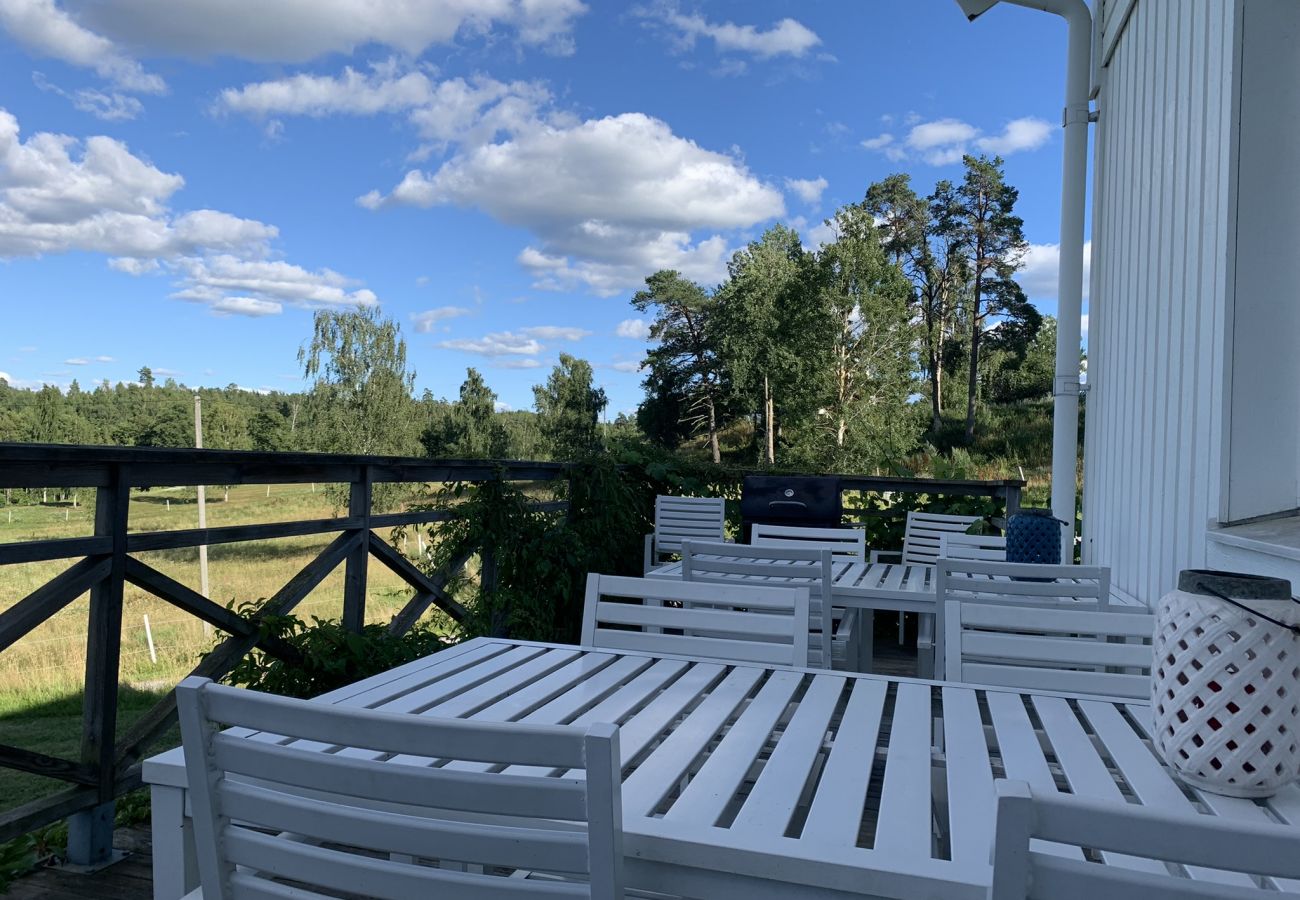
[(866, 639), (175, 866)]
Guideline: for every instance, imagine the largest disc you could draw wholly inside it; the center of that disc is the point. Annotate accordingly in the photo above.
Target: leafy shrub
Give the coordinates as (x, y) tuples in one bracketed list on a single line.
[(331, 655)]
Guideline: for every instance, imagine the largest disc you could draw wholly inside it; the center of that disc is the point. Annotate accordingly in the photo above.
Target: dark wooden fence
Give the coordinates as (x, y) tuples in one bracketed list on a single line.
[(109, 763)]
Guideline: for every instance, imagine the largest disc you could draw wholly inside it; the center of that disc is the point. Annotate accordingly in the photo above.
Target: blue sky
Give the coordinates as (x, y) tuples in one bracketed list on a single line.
[(180, 188)]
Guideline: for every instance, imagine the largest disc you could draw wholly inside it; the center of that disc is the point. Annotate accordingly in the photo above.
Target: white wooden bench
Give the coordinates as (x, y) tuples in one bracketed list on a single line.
[(741, 622), (1140, 841), (345, 822), (680, 519)]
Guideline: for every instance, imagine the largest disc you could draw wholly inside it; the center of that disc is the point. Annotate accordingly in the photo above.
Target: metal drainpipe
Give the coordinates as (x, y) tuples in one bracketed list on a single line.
[(1069, 286)]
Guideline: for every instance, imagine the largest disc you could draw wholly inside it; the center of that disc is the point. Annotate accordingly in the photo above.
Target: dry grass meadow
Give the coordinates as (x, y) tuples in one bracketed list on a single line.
[(42, 675)]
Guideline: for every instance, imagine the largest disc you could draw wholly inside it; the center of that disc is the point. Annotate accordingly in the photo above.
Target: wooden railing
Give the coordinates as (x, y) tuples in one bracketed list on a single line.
[(109, 763), (106, 561)]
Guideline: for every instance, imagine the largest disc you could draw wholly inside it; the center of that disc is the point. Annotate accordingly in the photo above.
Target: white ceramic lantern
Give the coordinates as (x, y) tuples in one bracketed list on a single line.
[(1225, 690)]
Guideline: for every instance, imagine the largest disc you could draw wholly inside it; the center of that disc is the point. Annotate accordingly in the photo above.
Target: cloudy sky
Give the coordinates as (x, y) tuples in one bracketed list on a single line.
[(182, 183)]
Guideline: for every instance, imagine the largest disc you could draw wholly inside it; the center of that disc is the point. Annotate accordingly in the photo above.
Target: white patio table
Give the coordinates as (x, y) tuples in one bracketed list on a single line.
[(867, 586), (764, 782)]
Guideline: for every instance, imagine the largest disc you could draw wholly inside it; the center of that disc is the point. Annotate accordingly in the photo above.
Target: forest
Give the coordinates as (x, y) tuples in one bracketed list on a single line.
[(902, 339)]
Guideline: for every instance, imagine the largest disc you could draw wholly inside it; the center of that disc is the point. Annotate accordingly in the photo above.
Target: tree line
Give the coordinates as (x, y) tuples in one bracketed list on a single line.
[(361, 399), (847, 357), (821, 356)]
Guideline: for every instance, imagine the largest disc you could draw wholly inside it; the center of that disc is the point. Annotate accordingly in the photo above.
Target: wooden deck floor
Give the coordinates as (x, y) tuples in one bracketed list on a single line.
[(132, 878)]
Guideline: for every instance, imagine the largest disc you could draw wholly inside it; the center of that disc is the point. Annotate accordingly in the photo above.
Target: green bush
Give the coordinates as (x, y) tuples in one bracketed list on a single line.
[(331, 655)]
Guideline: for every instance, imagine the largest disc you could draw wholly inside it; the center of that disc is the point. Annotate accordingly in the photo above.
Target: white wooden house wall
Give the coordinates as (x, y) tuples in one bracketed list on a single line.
[(1156, 312), (1193, 411)]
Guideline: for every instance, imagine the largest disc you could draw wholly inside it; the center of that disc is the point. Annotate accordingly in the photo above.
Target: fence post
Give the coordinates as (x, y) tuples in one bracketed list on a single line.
[(354, 580), (90, 832)]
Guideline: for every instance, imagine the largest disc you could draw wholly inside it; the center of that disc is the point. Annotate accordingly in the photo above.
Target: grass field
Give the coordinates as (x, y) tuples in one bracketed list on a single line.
[(42, 676)]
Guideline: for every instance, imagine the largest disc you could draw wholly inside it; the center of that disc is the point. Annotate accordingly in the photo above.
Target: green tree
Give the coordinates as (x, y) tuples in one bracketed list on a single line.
[(862, 418), (685, 355), (768, 328), (933, 259), (569, 408), (470, 429), (146, 376), (360, 397), (983, 220)]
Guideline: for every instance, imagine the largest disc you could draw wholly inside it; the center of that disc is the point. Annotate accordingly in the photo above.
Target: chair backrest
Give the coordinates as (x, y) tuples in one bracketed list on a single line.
[(688, 518), (923, 532), (1078, 651), (1023, 872), (843, 542), (1032, 583), (746, 564), (973, 546), (739, 622), (328, 822)]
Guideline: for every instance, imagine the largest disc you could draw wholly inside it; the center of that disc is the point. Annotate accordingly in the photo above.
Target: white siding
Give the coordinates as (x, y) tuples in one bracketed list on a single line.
[(1156, 317)]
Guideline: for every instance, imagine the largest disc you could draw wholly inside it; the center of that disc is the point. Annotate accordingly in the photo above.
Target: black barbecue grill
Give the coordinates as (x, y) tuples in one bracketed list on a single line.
[(790, 500)]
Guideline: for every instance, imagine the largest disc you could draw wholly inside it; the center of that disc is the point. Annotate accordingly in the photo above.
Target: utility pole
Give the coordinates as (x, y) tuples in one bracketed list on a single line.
[(203, 506)]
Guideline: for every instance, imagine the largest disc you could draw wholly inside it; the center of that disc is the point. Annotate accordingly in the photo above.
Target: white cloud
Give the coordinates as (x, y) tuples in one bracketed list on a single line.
[(555, 333), (353, 92), (77, 361), (628, 365), (526, 362), (939, 133), (502, 406), (637, 329), (113, 106), (246, 306), (298, 30), (61, 195), (219, 276), (1038, 273), (787, 37), (820, 234), (425, 321), (1028, 133), (608, 199), (943, 142), (809, 190), (46, 29), (501, 343)]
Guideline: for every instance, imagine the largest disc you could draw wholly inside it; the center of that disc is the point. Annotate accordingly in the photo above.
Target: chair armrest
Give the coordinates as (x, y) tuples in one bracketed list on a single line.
[(648, 560), (878, 556)]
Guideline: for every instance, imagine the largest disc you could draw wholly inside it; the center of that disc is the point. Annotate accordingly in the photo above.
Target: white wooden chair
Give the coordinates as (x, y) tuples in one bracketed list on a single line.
[(921, 538), (845, 544), (684, 518), (739, 622), (973, 546), (848, 543), (745, 564), (1076, 651), (921, 546), (1082, 587), (1140, 834), (330, 823)]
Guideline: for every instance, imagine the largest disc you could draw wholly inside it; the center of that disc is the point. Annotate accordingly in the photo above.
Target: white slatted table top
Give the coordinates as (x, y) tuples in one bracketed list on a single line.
[(865, 585), (821, 779)]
